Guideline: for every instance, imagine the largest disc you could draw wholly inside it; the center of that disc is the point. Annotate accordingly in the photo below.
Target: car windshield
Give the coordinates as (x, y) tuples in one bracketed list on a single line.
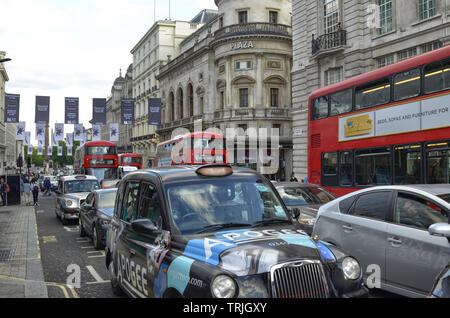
[(106, 200), (304, 196), (212, 204), (445, 197), (80, 186)]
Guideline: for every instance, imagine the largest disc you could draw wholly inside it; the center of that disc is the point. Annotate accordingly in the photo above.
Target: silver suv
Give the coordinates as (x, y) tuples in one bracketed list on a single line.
[(71, 193)]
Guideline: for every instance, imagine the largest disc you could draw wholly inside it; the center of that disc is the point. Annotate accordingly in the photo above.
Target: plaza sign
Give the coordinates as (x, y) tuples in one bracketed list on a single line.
[(242, 45)]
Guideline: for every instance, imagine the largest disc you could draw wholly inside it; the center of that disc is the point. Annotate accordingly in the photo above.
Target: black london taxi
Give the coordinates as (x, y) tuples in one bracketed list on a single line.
[(215, 231)]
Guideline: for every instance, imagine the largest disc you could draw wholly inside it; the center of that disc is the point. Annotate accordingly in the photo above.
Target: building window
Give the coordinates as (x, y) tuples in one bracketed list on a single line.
[(243, 17), (244, 65), (427, 9), (222, 100), (273, 17), (334, 75), (274, 97), (385, 16), (331, 15), (431, 46), (406, 54), (200, 77), (243, 97), (221, 22), (385, 60)]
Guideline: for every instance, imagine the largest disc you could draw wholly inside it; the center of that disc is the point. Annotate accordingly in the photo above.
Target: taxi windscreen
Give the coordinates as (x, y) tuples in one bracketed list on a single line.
[(212, 204)]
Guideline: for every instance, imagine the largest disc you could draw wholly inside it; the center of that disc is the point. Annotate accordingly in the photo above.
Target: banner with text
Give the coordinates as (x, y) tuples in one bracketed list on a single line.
[(42, 114), (99, 111), (128, 111), (12, 107), (426, 114), (72, 113), (154, 111)]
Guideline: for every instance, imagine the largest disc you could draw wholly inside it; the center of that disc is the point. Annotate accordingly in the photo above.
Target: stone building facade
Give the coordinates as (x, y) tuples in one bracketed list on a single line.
[(158, 46), (234, 72), (335, 39)]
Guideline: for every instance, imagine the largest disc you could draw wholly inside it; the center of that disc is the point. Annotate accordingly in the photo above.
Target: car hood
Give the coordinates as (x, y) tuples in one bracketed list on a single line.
[(254, 251), (76, 196)]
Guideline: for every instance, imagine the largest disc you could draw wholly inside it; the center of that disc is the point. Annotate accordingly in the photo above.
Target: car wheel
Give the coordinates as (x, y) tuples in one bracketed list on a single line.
[(116, 289), (63, 220), (81, 230), (95, 238)]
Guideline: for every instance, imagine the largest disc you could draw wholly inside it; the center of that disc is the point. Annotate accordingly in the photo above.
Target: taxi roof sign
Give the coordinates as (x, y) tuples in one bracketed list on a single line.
[(215, 170)]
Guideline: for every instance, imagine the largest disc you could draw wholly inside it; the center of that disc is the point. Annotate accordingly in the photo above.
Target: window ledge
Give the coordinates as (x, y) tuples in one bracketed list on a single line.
[(384, 34), (426, 20)]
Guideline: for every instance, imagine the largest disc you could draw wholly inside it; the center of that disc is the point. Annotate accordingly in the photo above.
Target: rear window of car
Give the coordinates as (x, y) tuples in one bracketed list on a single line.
[(345, 205)]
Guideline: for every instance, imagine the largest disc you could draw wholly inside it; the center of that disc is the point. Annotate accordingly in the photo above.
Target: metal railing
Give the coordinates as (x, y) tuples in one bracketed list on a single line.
[(251, 28), (329, 41)]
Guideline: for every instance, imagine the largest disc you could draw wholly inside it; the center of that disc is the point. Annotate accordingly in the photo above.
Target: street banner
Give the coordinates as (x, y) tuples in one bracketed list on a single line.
[(59, 132), (69, 140), (96, 133), (83, 138), (40, 151), (20, 131), (27, 141), (69, 151), (54, 141), (154, 111), (12, 106), (127, 111), (114, 132), (41, 143), (40, 131), (30, 150), (78, 130), (50, 151), (42, 114), (72, 113), (99, 111), (60, 151)]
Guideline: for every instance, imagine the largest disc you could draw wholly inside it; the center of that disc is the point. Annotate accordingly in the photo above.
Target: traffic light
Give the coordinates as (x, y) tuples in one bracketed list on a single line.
[(29, 162), (19, 162)]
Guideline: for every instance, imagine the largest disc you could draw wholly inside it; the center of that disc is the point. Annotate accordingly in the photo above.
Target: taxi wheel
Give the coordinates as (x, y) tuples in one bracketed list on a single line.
[(114, 283), (63, 220), (81, 230)]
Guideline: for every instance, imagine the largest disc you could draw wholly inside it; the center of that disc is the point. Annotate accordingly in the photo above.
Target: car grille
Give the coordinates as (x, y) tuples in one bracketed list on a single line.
[(300, 279)]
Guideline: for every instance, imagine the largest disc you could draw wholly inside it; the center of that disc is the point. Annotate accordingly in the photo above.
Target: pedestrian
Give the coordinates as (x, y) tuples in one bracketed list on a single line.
[(3, 190), (293, 178), (48, 186), (306, 179), (21, 188), (35, 188), (27, 192)]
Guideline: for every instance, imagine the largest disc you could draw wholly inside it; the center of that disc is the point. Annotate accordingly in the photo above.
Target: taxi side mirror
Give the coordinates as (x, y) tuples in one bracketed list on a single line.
[(144, 226)]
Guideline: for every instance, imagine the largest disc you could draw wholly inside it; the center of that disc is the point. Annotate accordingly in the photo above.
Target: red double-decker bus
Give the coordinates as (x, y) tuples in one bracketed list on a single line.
[(130, 159), (387, 126), (97, 158), (192, 149)]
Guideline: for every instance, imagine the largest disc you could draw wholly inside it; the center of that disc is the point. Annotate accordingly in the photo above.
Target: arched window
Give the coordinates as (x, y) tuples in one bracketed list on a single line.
[(190, 90), (172, 106), (180, 102)]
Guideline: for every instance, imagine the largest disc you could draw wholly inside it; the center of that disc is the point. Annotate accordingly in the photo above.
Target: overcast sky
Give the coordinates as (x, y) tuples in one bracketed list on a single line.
[(75, 48)]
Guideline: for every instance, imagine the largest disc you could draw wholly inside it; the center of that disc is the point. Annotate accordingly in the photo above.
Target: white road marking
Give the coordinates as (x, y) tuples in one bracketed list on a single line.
[(98, 279)]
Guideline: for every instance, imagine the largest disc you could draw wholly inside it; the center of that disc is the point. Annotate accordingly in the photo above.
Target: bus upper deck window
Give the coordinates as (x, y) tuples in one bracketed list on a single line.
[(373, 94), (407, 84), (437, 77), (341, 102), (320, 108)]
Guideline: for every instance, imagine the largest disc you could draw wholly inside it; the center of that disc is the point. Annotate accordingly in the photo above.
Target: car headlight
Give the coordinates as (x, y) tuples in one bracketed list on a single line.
[(307, 221), (351, 268), (69, 203), (223, 287)]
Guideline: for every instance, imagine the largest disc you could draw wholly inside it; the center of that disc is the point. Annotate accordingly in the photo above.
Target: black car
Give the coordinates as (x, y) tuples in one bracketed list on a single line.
[(305, 197), (214, 231), (95, 215)]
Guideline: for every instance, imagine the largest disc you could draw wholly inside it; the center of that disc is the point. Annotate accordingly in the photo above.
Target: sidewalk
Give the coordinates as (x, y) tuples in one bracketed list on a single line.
[(21, 273)]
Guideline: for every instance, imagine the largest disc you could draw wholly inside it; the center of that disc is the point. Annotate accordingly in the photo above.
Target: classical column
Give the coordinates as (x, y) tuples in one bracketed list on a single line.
[(229, 97), (259, 81)]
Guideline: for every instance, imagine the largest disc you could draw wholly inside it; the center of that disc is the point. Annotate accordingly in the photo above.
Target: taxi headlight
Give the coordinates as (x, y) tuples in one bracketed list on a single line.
[(69, 203), (223, 287), (351, 268)]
